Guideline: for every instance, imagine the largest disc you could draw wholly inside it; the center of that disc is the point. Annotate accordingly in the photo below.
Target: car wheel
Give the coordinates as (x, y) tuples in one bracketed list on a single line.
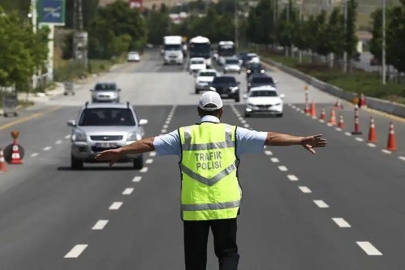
[(280, 115), (197, 91), (76, 164), (138, 163)]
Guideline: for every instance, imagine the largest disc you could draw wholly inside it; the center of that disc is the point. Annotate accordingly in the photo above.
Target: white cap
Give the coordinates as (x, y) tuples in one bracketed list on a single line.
[(210, 101)]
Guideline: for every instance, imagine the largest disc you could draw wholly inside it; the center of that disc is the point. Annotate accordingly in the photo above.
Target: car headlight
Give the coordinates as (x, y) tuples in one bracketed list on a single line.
[(227, 67), (133, 136), (233, 89), (248, 71), (262, 71), (79, 136)]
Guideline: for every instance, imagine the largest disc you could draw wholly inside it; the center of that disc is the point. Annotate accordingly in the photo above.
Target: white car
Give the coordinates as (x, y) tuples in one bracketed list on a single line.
[(231, 65), (264, 100), (133, 57), (253, 58), (204, 79), (196, 64)]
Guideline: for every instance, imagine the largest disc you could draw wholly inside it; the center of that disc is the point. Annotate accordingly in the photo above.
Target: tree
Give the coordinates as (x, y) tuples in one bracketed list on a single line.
[(376, 41), (335, 33), (322, 38), (158, 26), (395, 40), (350, 35)]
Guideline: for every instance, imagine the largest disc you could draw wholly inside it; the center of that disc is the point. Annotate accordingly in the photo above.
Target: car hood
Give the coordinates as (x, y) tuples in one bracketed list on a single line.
[(205, 79), (232, 66), (109, 130), (222, 85), (199, 66), (106, 93), (264, 100)]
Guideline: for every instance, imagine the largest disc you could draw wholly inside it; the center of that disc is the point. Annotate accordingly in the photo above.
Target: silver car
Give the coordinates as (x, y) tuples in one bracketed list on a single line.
[(105, 126), (105, 92), (232, 64)]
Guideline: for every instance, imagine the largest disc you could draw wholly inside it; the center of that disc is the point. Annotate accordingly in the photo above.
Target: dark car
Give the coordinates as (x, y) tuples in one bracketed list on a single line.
[(260, 79), (254, 68), (243, 56), (226, 87)]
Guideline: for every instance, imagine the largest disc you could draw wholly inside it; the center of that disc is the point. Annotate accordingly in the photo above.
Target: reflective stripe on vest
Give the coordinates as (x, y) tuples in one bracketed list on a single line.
[(210, 187)]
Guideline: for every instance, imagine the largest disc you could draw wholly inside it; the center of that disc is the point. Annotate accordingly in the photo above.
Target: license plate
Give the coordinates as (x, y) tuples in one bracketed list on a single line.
[(106, 145)]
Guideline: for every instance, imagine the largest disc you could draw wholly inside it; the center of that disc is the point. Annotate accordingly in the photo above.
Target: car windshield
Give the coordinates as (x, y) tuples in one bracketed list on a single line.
[(107, 117), (133, 53), (263, 80), (251, 56), (255, 67), (197, 62), (207, 74), (105, 87), (263, 93), (232, 61), (224, 79)]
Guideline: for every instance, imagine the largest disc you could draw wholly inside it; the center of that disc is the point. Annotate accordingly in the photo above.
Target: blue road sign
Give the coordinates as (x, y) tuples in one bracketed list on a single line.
[(51, 12)]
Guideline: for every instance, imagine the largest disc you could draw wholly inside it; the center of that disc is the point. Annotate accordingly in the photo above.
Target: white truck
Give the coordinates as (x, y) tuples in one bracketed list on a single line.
[(200, 46), (173, 50)]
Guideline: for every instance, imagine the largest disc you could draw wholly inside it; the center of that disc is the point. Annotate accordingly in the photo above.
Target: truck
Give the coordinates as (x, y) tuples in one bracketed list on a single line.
[(172, 50), (200, 46)]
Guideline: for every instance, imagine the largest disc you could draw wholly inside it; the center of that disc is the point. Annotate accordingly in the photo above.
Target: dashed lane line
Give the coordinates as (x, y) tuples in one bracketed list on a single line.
[(338, 129), (76, 251), (305, 189), (267, 152), (149, 161), (246, 125), (115, 206), (152, 154), (371, 145), (359, 139), (58, 142), (341, 223), (282, 168), (128, 191), (47, 148), (321, 204), (292, 177), (348, 134), (137, 179), (163, 130), (100, 225), (402, 158), (368, 248), (275, 160), (165, 126), (386, 151), (144, 170), (68, 136), (34, 154)]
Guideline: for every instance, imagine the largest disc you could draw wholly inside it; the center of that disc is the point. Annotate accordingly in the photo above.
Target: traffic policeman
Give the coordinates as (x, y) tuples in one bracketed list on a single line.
[(209, 153)]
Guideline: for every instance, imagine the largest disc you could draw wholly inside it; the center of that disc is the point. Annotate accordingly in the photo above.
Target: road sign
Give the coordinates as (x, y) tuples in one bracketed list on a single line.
[(51, 12)]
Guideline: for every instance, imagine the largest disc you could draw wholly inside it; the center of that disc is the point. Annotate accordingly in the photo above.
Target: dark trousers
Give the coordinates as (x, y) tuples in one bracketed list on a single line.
[(196, 240)]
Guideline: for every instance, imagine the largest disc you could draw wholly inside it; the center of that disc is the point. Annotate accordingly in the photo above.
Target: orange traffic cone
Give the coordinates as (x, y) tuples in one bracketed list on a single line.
[(15, 156), (372, 135), (332, 120), (341, 122), (392, 141), (2, 161), (323, 114), (313, 110)]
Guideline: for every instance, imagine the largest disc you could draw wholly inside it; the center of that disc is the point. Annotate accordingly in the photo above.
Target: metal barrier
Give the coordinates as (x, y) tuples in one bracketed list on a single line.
[(69, 88), (10, 104)]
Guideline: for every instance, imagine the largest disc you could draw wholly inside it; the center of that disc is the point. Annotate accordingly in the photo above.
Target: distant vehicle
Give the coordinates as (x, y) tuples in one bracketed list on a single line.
[(196, 64), (252, 58), (264, 100), (225, 49), (133, 57), (105, 126), (200, 46), (260, 80), (254, 68), (173, 50), (243, 58), (227, 87), (231, 64), (105, 92), (204, 79), (184, 46)]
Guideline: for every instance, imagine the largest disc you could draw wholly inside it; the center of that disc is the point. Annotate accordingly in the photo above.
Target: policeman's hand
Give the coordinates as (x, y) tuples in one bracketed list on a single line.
[(112, 155), (311, 142)]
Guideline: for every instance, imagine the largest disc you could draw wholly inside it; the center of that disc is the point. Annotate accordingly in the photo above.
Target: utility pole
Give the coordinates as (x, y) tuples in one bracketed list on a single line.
[(384, 72), (346, 39), (80, 36), (236, 25)]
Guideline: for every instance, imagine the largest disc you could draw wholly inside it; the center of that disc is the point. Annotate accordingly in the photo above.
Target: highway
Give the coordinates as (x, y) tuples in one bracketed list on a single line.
[(340, 209)]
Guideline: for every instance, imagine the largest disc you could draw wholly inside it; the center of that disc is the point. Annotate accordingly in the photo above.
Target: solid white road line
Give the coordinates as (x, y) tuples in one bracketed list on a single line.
[(128, 191), (305, 189), (267, 152), (149, 161), (341, 222), (67, 136), (76, 251), (348, 134), (144, 170), (359, 139), (100, 225), (292, 177), (34, 154), (58, 142), (115, 206), (137, 179), (47, 148), (282, 168), (369, 248), (402, 158), (386, 151), (321, 204), (275, 160), (371, 144)]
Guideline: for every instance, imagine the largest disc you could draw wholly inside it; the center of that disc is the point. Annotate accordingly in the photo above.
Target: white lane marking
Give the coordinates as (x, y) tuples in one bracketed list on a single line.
[(243, 121), (282, 168), (67, 136), (359, 139), (144, 170), (76, 251), (34, 154), (128, 191), (240, 118), (47, 148), (269, 153), (167, 122), (386, 151), (115, 206), (341, 222), (338, 129), (402, 158), (100, 225), (165, 126), (246, 125), (58, 142), (302, 112), (275, 160), (149, 161), (371, 144), (369, 248), (152, 154), (137, 179), (305, 189), (329, 124), (163, 130), (313, 117), (348, 134), (321, 204), (321, 121), (292, 177)]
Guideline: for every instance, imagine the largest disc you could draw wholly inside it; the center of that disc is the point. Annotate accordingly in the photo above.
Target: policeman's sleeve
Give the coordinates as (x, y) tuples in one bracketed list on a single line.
[(249, 141), (167, 144)]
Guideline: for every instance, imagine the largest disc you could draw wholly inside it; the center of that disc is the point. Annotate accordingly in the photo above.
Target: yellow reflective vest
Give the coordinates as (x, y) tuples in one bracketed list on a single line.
[(210, 188)]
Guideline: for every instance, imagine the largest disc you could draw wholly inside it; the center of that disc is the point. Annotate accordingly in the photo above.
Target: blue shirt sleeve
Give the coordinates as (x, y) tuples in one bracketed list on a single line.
[(168, 144), (249, 141)]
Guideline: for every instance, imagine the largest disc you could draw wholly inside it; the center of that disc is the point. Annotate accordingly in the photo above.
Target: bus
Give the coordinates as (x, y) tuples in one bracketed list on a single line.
[(200, 47), (225, 49)]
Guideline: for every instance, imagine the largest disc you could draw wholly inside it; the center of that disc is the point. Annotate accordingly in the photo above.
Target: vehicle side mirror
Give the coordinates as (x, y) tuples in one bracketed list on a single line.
[(245, 96), (282, 96), (143, 122), (213, 89), (71, 123)]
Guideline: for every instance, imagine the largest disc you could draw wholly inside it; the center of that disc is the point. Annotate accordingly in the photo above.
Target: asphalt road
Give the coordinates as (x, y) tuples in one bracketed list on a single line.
[(335, 210)]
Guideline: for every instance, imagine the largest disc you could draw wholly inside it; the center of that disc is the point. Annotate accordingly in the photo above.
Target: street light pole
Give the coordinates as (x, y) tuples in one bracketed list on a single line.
[(236, 25), (34, 21), (345, 33), (384, 72)]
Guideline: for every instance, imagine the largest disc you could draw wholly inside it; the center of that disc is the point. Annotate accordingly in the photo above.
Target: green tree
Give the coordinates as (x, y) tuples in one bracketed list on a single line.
[(376, 41), (351, 37), (394, 38), (322, 38), (158, 26), (335, 33)]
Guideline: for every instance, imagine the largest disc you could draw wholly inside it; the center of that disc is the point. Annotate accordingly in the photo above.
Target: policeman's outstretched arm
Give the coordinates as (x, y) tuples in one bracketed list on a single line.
[(113, 155), (309, 142)]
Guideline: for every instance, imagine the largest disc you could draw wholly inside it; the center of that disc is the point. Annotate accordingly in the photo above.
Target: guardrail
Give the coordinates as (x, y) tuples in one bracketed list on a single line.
[(374, 103)]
